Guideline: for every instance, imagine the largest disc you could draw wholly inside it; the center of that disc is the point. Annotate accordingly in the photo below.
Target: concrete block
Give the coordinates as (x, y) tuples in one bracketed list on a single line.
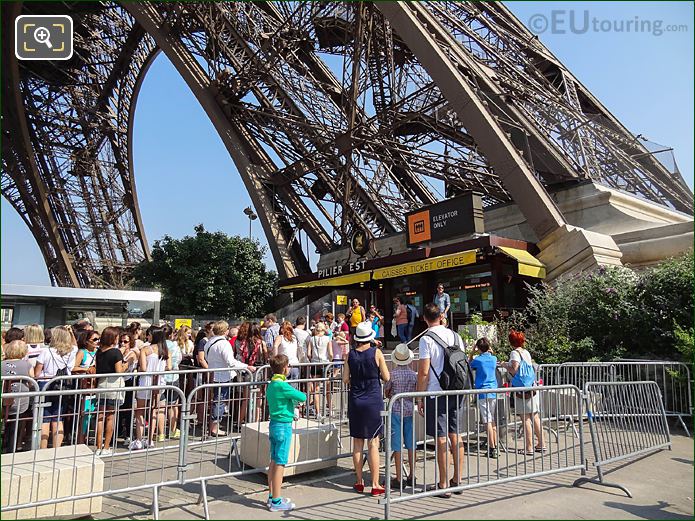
[(310, 440), (51, 474)]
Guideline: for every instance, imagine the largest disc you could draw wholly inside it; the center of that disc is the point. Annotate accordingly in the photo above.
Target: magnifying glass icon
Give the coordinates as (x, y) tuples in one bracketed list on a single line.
[(42, 35)]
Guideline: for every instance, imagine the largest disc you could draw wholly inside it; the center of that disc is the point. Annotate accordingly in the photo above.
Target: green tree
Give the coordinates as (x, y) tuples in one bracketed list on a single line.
[(209, 274)]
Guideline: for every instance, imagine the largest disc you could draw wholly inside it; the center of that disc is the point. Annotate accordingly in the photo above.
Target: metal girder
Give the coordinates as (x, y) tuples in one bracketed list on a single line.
[(76, 116), (336, 116), (252, 170), (426, 39)]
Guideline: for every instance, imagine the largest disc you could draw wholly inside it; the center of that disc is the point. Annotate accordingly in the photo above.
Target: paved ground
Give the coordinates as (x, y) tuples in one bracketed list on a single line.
[(662, 486)]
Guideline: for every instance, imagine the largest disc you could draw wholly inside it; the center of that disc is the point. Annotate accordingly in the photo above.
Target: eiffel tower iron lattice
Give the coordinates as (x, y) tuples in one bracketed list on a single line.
[(338, 116)]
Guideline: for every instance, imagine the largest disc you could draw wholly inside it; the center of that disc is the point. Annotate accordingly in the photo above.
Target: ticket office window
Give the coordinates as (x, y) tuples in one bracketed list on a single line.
[(471, 290), (411, 288)]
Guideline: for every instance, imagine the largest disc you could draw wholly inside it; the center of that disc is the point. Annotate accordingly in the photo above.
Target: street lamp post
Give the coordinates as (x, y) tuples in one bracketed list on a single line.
[(252, 217)]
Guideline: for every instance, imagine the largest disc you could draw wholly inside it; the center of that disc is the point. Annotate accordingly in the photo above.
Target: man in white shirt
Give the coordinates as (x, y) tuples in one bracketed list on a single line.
[(220, 355), (302, 336), (442, 413)]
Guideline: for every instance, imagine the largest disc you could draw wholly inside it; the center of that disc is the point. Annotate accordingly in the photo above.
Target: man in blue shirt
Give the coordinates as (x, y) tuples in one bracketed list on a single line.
[(485, 367), (442, 300)]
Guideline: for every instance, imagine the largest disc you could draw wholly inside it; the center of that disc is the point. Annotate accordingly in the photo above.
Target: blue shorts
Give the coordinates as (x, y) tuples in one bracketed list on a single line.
[(280, 434), (396, 442)]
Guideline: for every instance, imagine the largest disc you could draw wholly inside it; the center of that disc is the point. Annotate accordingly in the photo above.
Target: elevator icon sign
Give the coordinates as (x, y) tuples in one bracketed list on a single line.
[(43, 37)]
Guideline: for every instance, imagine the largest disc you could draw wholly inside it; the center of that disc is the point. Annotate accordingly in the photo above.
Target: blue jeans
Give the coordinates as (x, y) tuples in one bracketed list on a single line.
[(410, 332), (220, 396), (402, 332)]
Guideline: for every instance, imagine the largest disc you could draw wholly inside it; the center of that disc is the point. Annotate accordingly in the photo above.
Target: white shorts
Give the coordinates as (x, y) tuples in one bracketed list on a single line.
[(488, 409)]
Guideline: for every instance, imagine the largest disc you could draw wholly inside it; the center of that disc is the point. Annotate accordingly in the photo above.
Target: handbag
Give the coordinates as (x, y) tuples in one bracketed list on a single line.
[(112, 382)]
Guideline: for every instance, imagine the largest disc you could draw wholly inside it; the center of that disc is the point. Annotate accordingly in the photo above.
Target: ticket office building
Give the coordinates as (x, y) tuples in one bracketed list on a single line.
[(485, 275)]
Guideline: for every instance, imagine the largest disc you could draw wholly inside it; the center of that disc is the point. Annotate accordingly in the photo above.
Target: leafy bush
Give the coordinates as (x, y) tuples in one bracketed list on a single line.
[(610, 313)]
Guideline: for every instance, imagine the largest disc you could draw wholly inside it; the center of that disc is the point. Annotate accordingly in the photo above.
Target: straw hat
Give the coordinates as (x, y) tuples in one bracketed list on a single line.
[(364, 332), (402, 355)]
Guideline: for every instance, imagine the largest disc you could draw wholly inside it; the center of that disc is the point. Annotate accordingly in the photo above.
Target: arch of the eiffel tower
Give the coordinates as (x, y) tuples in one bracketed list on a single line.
[(339, 117)]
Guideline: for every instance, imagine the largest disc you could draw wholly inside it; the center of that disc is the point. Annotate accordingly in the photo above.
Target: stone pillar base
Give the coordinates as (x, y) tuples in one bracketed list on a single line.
[(570, 250)]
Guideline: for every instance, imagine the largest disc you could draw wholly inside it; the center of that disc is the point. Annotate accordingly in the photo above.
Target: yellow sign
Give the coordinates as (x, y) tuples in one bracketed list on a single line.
[(443, 262), (183, 322), (341, 300)]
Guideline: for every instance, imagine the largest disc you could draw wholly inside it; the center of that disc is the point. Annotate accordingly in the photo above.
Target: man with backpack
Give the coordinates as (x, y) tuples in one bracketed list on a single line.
[(444, 366)]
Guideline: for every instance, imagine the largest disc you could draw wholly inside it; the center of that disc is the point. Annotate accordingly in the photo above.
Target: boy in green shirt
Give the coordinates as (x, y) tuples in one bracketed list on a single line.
[(282, 398)]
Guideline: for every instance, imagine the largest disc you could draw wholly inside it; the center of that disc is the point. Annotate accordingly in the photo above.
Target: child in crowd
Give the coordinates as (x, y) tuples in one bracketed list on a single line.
[(341, 348), (485, 366), (282, 398), (403, 380), (343, 326)]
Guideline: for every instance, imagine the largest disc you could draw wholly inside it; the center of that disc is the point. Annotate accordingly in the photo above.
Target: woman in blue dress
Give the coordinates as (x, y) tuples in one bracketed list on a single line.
[(363, 374)]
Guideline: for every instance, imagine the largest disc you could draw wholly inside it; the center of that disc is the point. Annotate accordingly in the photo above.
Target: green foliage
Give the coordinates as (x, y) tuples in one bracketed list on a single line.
[(477, 320), (209, 274), (610, 313), (685, 343)]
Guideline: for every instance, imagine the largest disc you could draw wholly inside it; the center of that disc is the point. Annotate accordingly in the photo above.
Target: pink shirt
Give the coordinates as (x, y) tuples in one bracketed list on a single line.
[(401, 315)]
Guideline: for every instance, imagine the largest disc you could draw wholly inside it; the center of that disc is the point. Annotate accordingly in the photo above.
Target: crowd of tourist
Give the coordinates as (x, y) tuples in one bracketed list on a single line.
[(50, 358), (129, 365)]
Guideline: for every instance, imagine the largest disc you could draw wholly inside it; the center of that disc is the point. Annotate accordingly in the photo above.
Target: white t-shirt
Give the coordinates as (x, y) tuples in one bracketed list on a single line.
[(302, 335), (514, 356), (52, 361), (429, 348), (289, 349), (319, 348)]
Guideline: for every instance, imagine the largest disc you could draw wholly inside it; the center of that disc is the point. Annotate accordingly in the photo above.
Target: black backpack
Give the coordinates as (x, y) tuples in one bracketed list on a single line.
[(63, 371), (456, 374)]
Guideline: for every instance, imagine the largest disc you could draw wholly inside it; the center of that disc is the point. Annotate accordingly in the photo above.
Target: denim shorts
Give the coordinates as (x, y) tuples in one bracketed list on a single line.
[(280, 434), (219, 399), (396, 433)]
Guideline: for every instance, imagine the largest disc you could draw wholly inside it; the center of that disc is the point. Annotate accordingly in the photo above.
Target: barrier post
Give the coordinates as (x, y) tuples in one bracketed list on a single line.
[(626, 420)]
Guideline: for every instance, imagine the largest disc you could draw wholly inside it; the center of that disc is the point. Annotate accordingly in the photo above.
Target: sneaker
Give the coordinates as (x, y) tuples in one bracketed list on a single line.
[(161, 438), (281, 507), (135, 445), (492, 453), (176, 435), (97, 452), (284, 500), (106, 453), (218, 433)]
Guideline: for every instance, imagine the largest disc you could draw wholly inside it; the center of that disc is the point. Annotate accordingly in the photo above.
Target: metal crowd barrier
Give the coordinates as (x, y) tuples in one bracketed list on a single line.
[(672, 378), (546, 374), (62, 480), (534, 454), (243, 448), (16, 425), (177, 445), (626, 420)]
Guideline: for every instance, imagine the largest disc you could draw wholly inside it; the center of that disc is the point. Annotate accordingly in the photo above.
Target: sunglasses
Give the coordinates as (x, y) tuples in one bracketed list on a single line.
[(125, 341), (94, 339)]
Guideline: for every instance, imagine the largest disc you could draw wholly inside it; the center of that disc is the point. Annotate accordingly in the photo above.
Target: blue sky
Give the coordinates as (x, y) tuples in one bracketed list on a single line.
[(184, 175)]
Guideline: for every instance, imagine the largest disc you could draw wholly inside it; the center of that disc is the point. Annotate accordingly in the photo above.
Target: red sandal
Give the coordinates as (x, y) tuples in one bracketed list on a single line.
[(378, 491), (359, 487)]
